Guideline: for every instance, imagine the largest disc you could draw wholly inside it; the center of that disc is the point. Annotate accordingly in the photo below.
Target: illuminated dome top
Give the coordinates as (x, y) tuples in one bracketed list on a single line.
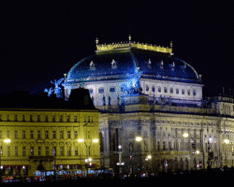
[(124, 60)]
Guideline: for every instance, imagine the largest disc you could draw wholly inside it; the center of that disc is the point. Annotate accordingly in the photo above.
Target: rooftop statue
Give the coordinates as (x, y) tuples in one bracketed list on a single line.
[(57, 90), (49, 91)]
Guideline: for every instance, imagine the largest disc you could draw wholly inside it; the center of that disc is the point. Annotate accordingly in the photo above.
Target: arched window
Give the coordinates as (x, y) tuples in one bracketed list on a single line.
[(147, 88), (159, 89)]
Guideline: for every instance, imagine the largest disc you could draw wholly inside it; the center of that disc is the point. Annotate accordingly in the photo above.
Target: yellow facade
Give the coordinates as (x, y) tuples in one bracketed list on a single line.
[(42, 138)]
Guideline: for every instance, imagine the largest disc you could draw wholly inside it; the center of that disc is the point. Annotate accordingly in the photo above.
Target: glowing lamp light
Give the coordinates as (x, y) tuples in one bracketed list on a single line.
[(80, 140), (138, 138), (185, 135), (7, 141), (197, 151), (226, 141), (95, 140)]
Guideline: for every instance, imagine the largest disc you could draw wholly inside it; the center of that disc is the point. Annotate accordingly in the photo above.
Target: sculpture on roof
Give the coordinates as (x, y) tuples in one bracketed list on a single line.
[(57, 90)]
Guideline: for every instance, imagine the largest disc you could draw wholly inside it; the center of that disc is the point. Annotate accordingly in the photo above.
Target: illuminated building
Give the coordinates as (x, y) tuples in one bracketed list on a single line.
[(44, 132), (144, 91)]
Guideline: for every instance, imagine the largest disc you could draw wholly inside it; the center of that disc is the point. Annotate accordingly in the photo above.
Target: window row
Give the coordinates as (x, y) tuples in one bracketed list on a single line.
[(171, 90), (41, 151), (153, 89), (102, 90), (44, 118), (45, 135)]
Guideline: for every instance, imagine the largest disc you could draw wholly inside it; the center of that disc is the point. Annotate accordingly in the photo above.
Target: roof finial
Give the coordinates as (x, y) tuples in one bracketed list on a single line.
[(171, 46)]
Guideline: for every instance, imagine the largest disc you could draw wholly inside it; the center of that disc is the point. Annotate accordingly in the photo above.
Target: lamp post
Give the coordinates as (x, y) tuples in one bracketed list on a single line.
[(87, 151), (186, 135), (148, 157), (6, 141), (120, 163)]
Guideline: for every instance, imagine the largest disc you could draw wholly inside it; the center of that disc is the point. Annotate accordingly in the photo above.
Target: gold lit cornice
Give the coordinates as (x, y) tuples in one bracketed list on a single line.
[(128, 45)]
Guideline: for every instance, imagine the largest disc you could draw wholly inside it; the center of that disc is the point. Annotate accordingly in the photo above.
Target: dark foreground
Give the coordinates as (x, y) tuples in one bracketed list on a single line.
[(213, 177)]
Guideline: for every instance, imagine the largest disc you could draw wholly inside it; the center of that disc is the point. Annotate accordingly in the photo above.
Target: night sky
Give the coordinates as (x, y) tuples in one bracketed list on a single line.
[(41, 40)]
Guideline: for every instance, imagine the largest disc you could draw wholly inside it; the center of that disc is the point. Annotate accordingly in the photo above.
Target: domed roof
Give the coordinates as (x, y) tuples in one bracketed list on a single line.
[(126, 60)]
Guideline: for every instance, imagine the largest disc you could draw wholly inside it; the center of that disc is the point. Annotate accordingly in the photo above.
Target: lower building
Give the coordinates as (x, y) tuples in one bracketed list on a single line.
[(150, 138), (40, 140)]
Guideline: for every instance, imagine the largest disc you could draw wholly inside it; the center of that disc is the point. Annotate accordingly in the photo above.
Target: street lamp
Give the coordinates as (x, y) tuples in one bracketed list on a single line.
[(138, 138), (81, 140), (6, 141)]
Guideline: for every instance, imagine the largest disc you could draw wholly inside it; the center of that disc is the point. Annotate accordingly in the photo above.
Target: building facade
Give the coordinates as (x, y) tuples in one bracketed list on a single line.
[(35, 140), (153, 114)]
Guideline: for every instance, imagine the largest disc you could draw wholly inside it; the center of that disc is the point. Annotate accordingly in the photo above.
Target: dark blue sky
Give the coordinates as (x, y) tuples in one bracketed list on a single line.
[(41, 40)]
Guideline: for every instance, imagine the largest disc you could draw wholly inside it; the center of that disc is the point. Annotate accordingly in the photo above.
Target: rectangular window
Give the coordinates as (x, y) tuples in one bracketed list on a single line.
[(0, 134), (23, 134), (88, 119), (69, 151), (177, 91), (112, 89), (38, 118), (68, 118), (54, 134), (8, 134), (31, 118), (8, 151), (24, 151), (165, 90), (47, 151), (75, 134), (61, 118), (76, 150), (61, 134), (75, 118), (46, 134), (31, 134), (68, 134), (16, 150), (8, 118), (39, 151), (188, 92), (16, 134), (46, 118), (61, 151), (53, 118), (23, 117), (32, 151), (38, 134), (54, 151), (15, 117)]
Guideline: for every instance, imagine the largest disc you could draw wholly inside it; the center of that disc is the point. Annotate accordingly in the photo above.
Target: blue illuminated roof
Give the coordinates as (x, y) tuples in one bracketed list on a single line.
[(154, 65)]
